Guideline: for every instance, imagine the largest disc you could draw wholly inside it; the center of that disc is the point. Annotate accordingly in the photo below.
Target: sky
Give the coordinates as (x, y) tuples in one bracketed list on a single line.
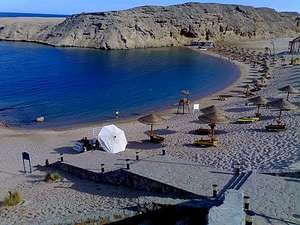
[(78, 6)]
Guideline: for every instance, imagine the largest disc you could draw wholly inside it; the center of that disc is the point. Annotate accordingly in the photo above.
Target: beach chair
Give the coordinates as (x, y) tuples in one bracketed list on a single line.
[(276, 127), (256, 89), (206, 143), (157, 139), (222, 98), (248, 94), (248, 119), (196, 108), (154, 138)]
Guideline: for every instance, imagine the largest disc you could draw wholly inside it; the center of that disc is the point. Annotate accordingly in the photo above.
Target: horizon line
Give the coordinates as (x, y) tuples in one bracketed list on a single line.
[(63, 14)]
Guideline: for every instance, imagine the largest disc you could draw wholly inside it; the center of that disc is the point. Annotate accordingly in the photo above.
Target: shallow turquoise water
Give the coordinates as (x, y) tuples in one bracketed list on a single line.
[(70, 86)]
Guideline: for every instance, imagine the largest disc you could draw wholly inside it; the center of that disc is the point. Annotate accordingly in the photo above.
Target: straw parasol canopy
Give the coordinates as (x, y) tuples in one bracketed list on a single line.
[(213, 118), (151, 119), (267, 75), (289, 90), (211, 109), (282, 105), (262, 79), (247, 87), (185, 92), (258, 101)]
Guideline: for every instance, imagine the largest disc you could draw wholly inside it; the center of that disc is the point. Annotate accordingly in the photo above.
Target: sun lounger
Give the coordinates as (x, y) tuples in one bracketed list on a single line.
[(222, 98), (276, 127), (206, 143), (256, 89), (248, 119), (154, 138), (248, 94), (157, 139)]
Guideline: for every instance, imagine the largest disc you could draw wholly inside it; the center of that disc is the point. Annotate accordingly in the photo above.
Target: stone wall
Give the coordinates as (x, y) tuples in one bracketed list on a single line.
[(125, 178)]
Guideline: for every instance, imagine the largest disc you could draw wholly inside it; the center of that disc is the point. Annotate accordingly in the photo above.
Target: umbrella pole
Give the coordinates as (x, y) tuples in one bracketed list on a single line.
[(258, 107), (212, 127), (151, 130), (280, 115), (287, 97)]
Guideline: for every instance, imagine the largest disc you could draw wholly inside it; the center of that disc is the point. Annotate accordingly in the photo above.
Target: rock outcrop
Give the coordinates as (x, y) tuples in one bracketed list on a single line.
[(153, 26)]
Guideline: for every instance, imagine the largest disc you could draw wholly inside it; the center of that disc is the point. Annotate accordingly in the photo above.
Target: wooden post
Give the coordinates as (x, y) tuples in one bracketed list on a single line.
[(215, 190), (249, 217), (102, 168), (246, 203), (280, 114)]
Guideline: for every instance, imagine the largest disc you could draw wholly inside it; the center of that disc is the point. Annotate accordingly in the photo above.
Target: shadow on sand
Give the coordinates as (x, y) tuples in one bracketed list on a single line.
[(239, 110), (144, 145), (67, 150), (165, 132)]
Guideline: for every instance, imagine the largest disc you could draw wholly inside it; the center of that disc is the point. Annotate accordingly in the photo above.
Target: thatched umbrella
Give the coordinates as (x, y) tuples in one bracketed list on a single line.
[(289, 90), (152, 119), (282, 59), (282, 105), (267, 75), (185, 93), (264, 69), (258, 101), (212, 119), (262, 80), (211, 109), (247, 87)]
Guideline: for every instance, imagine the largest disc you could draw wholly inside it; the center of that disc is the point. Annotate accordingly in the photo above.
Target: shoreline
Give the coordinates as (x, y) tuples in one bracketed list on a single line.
[(255, 150), (167, 111)]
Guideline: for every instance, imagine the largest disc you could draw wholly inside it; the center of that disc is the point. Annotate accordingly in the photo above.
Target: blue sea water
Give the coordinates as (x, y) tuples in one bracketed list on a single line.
[(71, 86), (12, 14)]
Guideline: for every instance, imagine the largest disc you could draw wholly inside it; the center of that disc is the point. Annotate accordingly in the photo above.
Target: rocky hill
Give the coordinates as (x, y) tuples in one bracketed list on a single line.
[(154, 26)]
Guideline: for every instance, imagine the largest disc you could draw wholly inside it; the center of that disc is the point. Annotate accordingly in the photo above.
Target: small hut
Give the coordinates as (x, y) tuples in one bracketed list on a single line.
[(294, 47)]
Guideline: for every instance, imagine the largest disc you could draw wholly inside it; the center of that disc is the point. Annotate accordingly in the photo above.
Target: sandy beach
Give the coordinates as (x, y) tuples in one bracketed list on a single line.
[(69, 201)]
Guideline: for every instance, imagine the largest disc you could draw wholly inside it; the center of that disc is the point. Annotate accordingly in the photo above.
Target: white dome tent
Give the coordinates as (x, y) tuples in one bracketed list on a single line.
[(112, 139)]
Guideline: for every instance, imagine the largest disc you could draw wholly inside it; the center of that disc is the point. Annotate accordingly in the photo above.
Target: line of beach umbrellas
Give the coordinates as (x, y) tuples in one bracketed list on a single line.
[(214, 115)]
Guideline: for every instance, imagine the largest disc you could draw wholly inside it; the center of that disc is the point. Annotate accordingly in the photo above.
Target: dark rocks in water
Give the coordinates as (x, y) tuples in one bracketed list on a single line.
[(154, 26)]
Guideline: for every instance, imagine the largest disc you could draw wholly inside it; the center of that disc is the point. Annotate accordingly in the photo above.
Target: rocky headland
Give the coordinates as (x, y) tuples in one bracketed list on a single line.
[(154, 26)]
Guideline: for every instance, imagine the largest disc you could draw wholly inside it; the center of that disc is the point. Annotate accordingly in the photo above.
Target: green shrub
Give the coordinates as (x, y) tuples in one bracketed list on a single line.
[(52, 177), (13, 199), (104, 221), (117, 217)]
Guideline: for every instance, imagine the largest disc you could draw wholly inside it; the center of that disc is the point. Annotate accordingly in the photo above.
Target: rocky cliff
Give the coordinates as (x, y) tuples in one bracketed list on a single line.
[(153, 26)]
